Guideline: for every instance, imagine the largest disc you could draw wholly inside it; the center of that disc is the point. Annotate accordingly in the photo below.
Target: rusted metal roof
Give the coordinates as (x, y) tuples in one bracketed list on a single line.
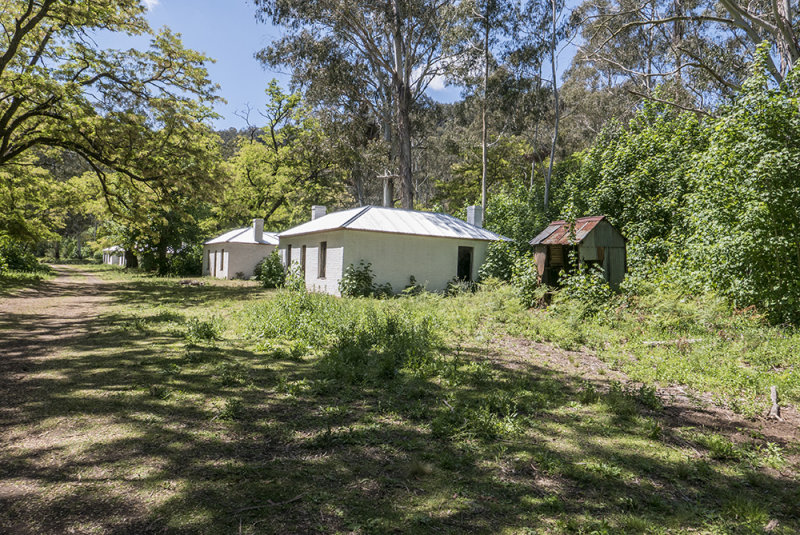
[(558, 232)]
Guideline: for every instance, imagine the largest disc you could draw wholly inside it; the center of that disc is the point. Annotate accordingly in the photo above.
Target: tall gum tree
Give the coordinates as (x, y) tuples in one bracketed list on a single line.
[(394, 46)]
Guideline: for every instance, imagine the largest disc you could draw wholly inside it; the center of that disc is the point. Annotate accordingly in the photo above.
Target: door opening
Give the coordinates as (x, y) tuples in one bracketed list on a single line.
[(464, 272)]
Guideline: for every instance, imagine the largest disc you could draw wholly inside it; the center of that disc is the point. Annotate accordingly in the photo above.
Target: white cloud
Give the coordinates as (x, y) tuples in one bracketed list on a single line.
[(437, 83), (150, 4)]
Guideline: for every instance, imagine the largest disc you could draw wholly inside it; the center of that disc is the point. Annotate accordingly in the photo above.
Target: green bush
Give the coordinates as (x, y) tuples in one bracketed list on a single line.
[(187, 262), (357, 281), (499, 261), (269, 271), (525, 280), (360, 282), (588, 287), (17, 257)]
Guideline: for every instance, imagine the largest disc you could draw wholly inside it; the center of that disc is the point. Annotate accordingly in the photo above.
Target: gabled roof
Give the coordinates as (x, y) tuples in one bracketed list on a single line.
[(245, 235), (395, 221), (114, 249), (557, 232)]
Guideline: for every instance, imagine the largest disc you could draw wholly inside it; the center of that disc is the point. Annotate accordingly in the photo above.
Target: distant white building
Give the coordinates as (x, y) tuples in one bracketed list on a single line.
[(236, 253), (114, 255), (433, 248)]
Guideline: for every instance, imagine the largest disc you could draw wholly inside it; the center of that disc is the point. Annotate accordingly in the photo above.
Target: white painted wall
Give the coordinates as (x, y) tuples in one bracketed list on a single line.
[(394, 257), (225, 260), (334, 257), (114, 259)]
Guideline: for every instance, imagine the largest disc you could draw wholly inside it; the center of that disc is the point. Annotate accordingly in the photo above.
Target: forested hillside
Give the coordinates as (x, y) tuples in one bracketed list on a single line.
[(677, 121)]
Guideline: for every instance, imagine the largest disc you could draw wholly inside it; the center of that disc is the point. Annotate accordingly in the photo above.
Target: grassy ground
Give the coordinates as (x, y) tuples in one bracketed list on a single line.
[(189, 409), (13, 281)]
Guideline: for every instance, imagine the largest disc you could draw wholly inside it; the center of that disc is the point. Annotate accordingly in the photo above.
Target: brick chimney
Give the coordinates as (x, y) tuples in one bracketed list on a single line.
[(317, 212)]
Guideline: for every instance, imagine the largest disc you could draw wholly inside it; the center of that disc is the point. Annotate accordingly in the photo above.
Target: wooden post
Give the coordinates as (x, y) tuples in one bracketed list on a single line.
[(775, 411)]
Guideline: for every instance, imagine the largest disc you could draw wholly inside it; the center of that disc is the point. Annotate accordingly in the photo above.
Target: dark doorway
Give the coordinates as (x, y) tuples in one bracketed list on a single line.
[(465, 263)]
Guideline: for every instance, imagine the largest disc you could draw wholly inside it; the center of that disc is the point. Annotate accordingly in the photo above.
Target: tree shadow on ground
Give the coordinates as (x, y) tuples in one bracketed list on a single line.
[(131, 429)]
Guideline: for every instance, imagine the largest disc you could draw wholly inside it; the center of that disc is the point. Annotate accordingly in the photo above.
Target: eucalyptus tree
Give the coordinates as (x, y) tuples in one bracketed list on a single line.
[(687, 52), (380, 53)]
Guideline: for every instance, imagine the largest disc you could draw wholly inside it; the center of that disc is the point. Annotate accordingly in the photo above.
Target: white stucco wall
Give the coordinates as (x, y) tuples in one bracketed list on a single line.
[(394, 257), (114, 259), (335, 253), (233, 258)]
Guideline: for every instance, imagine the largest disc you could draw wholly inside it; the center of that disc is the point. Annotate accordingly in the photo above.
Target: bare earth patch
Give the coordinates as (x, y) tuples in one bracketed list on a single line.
[(682, 406)]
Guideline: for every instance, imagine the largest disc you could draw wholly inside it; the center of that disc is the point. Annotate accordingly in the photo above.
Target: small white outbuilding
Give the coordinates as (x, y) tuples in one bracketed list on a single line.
[(236, 253), (434, 248), (114, 256)]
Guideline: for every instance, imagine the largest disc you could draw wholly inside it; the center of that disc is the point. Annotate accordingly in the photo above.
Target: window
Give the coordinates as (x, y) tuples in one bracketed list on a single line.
[(289, 256), (323, 257), (303, 259), (464, 272)]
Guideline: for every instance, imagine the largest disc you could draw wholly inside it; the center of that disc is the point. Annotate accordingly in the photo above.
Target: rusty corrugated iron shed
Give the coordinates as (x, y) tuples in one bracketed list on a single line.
[(557, 232)]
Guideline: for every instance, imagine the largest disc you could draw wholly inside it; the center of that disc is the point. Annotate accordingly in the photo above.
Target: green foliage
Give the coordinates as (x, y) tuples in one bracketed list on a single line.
[(587, 287), (360, 282), (458, 286), (525, 280), (746, 239), (198, 330), (357, 281), (295, 279), (269, 271), (187, 262), (375, 344), (639, 177), (498, 263), (17, 257)]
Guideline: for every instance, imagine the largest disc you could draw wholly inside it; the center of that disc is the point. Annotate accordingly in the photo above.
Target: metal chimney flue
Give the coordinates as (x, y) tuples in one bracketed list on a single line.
[(317, 212), (258, 229), (475, 216), (387, 192)]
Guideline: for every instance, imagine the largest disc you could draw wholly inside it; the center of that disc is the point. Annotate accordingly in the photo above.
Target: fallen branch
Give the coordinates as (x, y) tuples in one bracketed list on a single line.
[(270, 503), (775, 411), (679, 341)]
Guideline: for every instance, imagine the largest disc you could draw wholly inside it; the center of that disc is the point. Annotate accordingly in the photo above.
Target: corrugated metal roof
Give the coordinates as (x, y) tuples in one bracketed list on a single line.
[(244, 235), (557, 232), (397, 221)]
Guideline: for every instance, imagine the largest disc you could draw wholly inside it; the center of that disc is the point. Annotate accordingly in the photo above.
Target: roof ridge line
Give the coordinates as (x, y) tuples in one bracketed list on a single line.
[(359, 214)]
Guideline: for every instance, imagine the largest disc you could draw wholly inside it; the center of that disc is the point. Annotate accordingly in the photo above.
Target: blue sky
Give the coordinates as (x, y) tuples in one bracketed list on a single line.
[(227, 31)]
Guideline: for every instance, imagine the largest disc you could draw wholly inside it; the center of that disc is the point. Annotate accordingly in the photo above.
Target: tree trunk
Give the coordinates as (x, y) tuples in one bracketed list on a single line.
[(555, 96), (402, 97), (486, 30)]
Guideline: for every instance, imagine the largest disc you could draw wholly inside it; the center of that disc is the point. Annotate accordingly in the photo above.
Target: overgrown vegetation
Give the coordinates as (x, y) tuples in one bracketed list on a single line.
[(270, 271), (421, 414)]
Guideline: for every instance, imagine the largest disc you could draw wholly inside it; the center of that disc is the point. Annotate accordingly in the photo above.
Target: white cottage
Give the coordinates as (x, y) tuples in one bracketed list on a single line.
[(236, 253), (433, 248), (114, 256)]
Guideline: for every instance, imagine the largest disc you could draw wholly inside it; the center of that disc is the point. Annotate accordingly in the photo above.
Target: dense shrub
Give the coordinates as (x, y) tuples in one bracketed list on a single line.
[(360, 282), (187, 262), (525, 280), (499, 261), (16, 256), (744, 205), (269, 271), (588, 288)]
